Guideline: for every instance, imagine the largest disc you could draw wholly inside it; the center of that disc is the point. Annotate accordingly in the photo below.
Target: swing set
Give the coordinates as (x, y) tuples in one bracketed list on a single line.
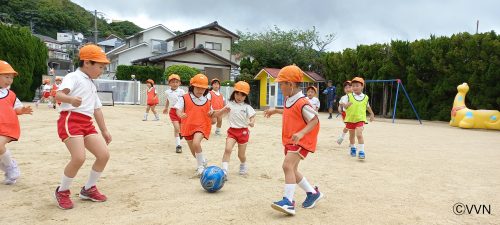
[(398, 85)]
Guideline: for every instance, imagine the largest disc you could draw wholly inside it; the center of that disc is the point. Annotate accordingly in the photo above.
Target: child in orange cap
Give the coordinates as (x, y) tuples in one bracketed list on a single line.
[(299, 137), (356, 115), (218, 102), (344, 100), (80, 102), (152, 100), (173, 95), (53, 91), (241, 116), (311, 93), (195, 111), (45, 96), (10, 108)]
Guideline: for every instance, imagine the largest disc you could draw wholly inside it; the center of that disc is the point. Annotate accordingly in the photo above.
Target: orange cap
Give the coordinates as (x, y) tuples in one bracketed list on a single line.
[(359, 80), (46, 81), (58, 78), (6, 68), (93, 53), (312, 87), (199, 80), (242, 86), (213, 80), (174, 76), (290, 73), (150, 81)]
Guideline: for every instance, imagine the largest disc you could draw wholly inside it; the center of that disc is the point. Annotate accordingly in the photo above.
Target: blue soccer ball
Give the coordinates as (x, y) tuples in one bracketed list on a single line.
[(212, 179)]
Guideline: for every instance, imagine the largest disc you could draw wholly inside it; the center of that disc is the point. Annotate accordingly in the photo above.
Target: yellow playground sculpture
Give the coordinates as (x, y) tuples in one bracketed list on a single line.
[(463, 117)]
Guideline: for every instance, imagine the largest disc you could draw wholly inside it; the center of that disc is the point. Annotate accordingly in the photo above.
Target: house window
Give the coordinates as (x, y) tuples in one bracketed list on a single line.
[(182, 44), (158, 46), (213, 46)]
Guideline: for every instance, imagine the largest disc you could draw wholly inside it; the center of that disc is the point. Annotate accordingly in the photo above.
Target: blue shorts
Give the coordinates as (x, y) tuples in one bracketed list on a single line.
[(330, 104)]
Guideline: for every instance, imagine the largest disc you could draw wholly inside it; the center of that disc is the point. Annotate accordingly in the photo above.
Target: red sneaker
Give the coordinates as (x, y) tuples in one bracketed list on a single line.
[(63, 200), (92, 194)]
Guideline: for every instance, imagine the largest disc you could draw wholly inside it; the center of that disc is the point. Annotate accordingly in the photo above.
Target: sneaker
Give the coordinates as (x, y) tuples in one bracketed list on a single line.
[(353, 151), (92, 194), (178, 149), (312, 199), (243, 169), (205, 163), (156, 118), (225, 174), (340, 140), (199, 171), (62, 198), (217, 132), (330, 117), (361, 155), (284, 206), (11, 173)]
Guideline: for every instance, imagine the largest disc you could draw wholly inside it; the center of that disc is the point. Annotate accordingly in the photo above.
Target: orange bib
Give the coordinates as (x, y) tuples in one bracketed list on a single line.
[(217, 101), (293, 122), (152, 98), (197, 119), (9, 123)]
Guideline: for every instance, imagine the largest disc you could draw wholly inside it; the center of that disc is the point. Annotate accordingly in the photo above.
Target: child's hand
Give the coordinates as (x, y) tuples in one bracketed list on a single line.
[(346, 105), (372, 117), (107, 137), (226, 109), (24, 110), (183, 116), (211, 113), (165, 110), (251, 124), (76, 101), (269, 112), (297, 136)]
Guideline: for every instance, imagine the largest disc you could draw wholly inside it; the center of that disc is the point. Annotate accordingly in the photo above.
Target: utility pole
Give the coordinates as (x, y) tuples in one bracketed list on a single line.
[(477, 26), (95, 27)]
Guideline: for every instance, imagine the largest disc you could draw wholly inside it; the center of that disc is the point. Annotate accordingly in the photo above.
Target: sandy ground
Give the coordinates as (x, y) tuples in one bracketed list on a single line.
[(413, 174)]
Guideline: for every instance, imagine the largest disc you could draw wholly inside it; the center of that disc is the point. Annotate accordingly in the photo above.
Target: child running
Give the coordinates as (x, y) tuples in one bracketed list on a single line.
[(152, 100), (240, 115), (356, 116), (173, 95), (311, 93), (299, 137), (218, 102), (45, 96), (53, 91), (344, 100), (80, 102), (195, 111), (10, 108)]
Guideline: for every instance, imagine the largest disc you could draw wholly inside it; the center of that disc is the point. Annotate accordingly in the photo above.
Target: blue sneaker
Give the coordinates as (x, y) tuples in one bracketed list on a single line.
[(353, 151), (284, 206), (312, 199), (361, 155)]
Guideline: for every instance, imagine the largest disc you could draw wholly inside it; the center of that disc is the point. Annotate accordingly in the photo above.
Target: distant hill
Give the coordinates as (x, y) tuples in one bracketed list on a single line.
[(51, 16)]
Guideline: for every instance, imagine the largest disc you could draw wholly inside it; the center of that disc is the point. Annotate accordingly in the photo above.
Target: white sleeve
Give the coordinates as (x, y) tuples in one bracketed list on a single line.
[(309, 113), (98, 103), (18, 104), (318, 103), (68, 83), (179, 104), (209, 96), (250, 111)]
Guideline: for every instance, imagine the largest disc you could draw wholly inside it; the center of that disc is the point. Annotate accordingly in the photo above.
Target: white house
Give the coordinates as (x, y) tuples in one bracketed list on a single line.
[(69, 37), (147, 43), (59, 59)]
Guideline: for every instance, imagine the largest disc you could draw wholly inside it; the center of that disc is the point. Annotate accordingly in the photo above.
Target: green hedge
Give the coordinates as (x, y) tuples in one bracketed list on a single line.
[(185, 72), (430, 69), (142, 73), (27, 55)]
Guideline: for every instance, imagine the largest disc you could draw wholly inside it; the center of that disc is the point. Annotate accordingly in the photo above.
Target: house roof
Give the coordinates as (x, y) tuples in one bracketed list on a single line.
[(151, 28), (46, 38), (274, 73), (112, 36), (109, 42), (208, 26), (164, 57), (127, 49)]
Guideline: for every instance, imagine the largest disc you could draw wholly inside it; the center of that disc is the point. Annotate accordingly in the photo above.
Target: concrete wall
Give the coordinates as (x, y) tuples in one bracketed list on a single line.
[(225, 42)]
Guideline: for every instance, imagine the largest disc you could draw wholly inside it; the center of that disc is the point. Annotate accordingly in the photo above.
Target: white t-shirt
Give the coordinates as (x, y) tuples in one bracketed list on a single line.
[(359, 98), (4, 92), (344, 100), (307, 111), (198, 101), (47, 87), (314, 102), (240, 114), (80, 84), (173, 96)]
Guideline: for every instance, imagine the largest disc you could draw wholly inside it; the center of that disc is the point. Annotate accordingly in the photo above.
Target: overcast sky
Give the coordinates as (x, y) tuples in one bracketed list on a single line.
[(354, 22)]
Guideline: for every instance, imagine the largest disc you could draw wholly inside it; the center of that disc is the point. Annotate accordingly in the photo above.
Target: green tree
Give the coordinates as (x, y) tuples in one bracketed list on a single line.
[(185, 72), (142, 73)]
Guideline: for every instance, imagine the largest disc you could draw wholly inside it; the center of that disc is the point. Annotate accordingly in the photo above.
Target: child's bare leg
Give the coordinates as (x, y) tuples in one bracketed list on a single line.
[(352, 136), (289, 164), (200, 159), (241, 152), (219, 122), (191, 147), (153, 109), (359, 135), (147, 109), (99, 149), (3, 141), (76, 147), (230, 142), (176, 136), (177, 128)]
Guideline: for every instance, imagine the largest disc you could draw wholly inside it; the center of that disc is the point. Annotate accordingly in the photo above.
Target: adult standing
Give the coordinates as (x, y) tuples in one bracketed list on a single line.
[(330, 97)]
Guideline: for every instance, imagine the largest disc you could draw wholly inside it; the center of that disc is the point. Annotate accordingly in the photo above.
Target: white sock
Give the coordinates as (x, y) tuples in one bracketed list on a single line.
[(225, 166), (5, 158), (217, 129), (145, 115), (289, 191), (177, 141), (306, 186), (199, 158), (92, 179), (361, 147), (343, 135), (65, 183), (351, 145)]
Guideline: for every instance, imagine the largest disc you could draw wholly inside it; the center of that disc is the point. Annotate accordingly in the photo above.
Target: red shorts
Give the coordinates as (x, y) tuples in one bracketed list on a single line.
[(73, 124), (173, 115), (241, 135), (190, 137), (296, 149), (343, 116), (46, 94), (352, 126)]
